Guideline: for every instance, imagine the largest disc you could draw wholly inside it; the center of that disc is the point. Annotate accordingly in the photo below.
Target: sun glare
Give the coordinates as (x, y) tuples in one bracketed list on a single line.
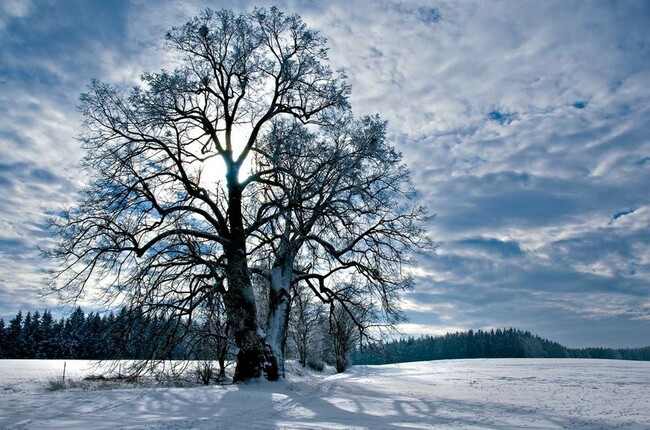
[(214, 169)]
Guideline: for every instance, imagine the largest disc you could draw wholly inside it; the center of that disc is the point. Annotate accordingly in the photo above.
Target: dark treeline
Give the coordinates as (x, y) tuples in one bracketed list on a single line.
[(500, 343), (131, 334), (127, 334)]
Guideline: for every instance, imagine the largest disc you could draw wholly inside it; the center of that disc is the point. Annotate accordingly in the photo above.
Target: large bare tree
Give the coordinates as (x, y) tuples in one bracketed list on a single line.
[(160, 224), (245, 152)]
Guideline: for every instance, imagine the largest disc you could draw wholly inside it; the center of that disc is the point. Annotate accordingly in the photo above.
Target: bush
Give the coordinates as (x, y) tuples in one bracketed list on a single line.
[(85, 384), (204, 372), (57, 384), (315, 363)]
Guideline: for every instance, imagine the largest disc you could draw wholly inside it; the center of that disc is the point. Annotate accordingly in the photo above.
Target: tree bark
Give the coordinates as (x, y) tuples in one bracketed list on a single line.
[(222, 369), (240, 297), (278, 317), (242, 317)]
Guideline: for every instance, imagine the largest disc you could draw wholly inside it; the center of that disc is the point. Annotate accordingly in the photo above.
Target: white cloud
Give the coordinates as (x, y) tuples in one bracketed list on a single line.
[(12, 9), (410, 329)]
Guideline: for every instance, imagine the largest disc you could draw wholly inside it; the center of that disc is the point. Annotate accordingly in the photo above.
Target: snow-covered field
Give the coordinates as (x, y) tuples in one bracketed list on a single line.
[(492, 394)]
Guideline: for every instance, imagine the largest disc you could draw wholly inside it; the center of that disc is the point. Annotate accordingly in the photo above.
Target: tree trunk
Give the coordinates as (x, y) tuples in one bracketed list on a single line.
[(302, 350), (341, 365), (278, 318), (240, 297), (222, 349), (222, 369), (242, 317)]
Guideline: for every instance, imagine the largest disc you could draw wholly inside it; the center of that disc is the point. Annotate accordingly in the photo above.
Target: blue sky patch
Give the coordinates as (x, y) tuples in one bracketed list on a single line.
[(618, 215), (502, 117)]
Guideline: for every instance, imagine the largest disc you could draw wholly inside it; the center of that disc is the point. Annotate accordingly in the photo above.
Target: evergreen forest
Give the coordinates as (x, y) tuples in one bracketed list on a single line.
[(130, 334), (499, 343)]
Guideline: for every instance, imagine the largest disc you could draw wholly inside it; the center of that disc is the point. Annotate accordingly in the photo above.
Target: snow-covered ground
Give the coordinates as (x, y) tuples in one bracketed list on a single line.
[(492, 394)]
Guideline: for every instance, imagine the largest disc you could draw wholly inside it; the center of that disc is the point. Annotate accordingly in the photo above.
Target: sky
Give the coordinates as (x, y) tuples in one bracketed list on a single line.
[(524, 123)]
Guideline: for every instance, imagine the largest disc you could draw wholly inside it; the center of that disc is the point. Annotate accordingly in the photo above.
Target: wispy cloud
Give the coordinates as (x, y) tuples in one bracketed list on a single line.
[(13, 9)]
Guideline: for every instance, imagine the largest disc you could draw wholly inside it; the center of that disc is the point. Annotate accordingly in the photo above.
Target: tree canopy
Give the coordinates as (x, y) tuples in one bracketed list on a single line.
[(246, 152)]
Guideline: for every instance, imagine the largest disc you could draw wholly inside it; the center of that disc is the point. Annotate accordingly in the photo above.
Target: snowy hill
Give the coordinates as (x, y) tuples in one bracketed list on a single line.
[(497, 393)]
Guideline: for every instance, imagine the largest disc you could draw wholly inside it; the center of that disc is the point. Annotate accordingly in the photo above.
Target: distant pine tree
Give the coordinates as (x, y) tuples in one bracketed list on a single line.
[(45, 346), (3, 339), (15, 344)]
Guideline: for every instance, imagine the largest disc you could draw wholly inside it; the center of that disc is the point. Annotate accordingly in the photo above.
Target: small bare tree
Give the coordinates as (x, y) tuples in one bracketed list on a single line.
[(343, 334), (214, 336), (304, 322)]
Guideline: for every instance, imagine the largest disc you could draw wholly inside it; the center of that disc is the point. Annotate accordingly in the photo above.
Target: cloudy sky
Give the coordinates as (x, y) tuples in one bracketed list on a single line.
[(525, 124)]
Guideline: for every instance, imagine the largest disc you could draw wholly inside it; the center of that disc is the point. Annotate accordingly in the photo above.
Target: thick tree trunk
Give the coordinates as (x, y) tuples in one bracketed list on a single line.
[(278, 317), (240, 298), (242, 317)]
